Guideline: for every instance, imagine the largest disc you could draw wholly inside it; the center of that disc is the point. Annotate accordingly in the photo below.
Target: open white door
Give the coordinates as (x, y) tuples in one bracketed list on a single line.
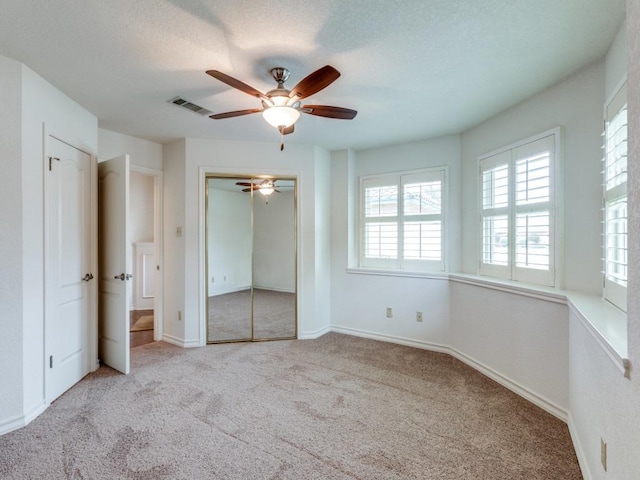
[(114, 268)]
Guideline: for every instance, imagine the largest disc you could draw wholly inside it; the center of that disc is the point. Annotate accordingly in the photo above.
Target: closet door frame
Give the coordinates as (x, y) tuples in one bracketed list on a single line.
[(249, 176)]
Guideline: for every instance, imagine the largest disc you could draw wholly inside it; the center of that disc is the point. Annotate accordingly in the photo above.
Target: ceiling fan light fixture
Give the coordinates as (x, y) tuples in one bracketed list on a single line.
[(266, 191), (281, 116)]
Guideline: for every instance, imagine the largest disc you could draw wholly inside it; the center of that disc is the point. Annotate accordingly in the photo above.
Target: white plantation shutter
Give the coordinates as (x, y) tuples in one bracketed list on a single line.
[(615, 201), (422, 220), (533, 211), (402, 221), (517, 216), (496, 237), (380, 220)]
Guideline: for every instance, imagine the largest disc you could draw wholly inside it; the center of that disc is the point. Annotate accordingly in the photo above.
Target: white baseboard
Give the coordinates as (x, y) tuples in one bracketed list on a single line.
[(229, 290), (11, 424), (434, 347), (179, 342), (35, 412), (315, 334), (580, 453), (275, 289), (20, 421), (515, 387)]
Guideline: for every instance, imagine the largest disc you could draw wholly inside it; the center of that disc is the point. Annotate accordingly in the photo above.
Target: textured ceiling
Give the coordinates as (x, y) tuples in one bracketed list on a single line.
[(412, 68)]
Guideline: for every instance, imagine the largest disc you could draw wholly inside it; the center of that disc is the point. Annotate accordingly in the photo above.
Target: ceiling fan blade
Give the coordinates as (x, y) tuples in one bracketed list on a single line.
[(330, 112), (315, 82), (235, 83), (276, 190), (237, 113), (244, 184), (247, 189)]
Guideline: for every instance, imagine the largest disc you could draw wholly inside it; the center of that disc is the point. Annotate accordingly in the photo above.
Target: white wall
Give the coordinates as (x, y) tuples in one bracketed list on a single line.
[(616, 61), (523, 340), (604, 404), (40, 106), (322, 268), (11, 276), (274, 266), (187, 162), (174, 250), (576, 106), (359, 302), (631, 433), (141, 208), (143, 153), (229, 247)]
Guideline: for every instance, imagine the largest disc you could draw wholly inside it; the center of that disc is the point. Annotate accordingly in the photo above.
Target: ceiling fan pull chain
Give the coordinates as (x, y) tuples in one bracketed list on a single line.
[(281, 130)]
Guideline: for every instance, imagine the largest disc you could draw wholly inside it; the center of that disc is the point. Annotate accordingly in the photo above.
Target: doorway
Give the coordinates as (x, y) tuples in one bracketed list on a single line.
[(251, 256), (144, 231)]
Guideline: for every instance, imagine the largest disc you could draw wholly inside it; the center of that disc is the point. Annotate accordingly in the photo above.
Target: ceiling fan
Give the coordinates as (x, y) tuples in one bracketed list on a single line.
[(266, 187), (281, 107)]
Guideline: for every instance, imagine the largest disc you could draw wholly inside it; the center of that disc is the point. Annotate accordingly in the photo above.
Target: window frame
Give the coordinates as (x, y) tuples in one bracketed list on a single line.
[(399, 179), (614, 292), (508, 156)]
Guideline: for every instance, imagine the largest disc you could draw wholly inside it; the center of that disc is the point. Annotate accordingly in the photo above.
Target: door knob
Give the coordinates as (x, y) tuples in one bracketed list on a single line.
[(87, 277), (123, 276)]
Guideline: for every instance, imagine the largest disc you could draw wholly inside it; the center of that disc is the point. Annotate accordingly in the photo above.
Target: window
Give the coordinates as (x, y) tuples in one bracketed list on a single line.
[(517, 211), (403, 221), (615, 200)]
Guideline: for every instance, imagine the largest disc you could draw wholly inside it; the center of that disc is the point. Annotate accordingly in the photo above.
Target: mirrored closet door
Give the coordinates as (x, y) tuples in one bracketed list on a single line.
[(251, 258)]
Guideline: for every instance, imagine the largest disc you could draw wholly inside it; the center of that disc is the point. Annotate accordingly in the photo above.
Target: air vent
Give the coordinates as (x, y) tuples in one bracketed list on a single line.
[(181, 102)]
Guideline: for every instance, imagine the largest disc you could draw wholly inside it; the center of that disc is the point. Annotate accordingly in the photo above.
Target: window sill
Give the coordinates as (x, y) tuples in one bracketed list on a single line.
[(519, 288), (398, 273), (606, 323)]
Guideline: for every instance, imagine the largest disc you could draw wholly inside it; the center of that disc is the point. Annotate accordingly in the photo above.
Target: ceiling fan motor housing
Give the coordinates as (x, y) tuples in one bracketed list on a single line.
[(280, 75)]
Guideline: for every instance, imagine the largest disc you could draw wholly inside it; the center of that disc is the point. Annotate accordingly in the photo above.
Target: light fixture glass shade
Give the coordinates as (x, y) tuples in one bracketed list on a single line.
[(266, 190), (281, 116)]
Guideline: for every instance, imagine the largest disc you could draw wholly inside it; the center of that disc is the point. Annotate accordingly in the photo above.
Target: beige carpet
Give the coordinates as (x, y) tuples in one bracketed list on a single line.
[(338, 407), (229, 315), (143, 323)]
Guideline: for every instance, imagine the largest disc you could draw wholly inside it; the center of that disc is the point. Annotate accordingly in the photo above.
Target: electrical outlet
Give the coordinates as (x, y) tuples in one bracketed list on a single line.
[(179, 315), (603, 453), (418, 316), (389, 312)]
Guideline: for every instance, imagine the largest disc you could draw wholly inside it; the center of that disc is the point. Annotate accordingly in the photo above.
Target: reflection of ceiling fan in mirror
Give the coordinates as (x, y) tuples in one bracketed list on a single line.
[(265, 187), (281, 107)]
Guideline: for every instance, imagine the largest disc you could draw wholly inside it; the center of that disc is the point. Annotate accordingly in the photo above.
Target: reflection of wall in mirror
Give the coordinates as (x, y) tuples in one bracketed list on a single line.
[(229, 241), (274, 241)]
